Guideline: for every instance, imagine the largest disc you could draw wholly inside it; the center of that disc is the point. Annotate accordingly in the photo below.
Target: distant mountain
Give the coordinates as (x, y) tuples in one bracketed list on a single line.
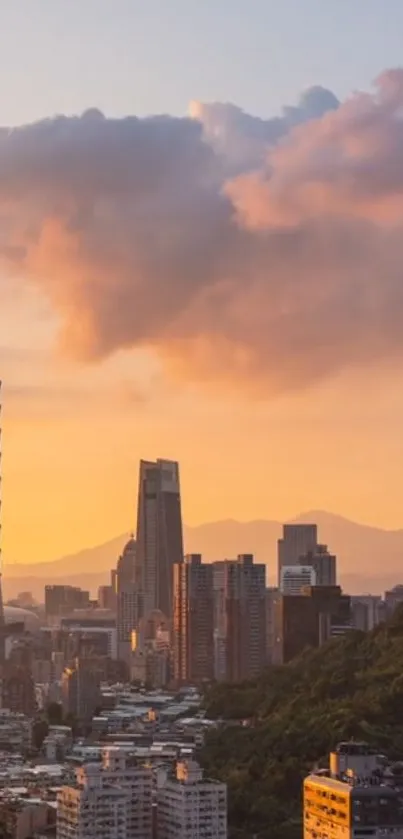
[(369, 559)]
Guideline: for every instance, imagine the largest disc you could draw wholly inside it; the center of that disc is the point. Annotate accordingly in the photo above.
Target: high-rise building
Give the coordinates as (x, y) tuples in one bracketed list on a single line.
[(323, 563), (159, 533), (191, 807), (129, 599), (245, 618), (353, 799), (109, 800), (193, 621), (295, 577), (220, 621), (297, 540)]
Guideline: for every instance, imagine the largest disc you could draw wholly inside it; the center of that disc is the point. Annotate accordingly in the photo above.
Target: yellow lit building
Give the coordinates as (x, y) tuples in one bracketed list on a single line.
[(355, 798)]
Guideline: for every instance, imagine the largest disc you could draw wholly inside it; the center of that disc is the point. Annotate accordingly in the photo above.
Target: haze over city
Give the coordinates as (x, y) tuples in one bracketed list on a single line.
[(220, 285)]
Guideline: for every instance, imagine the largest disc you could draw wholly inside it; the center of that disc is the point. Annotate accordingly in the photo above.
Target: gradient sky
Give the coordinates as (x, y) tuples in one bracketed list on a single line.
[(73, 433)]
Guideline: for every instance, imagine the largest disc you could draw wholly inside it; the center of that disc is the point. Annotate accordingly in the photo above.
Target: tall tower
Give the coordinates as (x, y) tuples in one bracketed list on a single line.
[(244, 584), (193, 621), (2, 619), (297, 540), (159, 533)]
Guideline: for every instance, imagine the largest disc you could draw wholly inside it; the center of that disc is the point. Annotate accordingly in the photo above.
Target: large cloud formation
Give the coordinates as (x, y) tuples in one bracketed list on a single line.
[(237, 248)]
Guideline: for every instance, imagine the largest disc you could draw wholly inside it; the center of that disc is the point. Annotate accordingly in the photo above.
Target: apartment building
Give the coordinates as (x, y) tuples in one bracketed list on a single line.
[(110, 800), (190, 806)]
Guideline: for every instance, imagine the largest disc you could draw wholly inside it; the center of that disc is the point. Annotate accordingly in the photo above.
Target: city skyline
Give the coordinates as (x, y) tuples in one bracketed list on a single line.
[(138, 316)]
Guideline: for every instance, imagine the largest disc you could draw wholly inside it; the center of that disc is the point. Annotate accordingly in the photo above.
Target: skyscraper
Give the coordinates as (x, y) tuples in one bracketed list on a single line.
[(245, 618), (193, 621), (298, 540), (159, 532)]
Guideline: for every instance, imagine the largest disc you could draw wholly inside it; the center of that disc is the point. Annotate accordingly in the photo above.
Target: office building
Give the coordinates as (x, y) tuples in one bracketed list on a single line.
[(310, 619), (81, 688), (295, 577), (60, 600), (323, 563), (191, 807), (297, 541), (245, 618), (109, 800), (129, 599), (159, 533), (357, 798), (193, 621)]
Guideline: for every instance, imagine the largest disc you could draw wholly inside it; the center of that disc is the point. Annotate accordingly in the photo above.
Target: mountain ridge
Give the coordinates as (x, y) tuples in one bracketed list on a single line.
[(369, 558)]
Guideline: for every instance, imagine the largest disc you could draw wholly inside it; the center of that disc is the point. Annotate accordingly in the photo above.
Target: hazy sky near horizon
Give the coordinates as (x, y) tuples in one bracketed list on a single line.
[(221, 290)]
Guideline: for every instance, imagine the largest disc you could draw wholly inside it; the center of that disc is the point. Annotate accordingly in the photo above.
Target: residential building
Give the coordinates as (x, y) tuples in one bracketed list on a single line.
[(220, 621), (159, 533), (297, 540), (356, 798), (245, 618), (109, 800), (191, 807), (193, 621), (295, 577), (22, 817)]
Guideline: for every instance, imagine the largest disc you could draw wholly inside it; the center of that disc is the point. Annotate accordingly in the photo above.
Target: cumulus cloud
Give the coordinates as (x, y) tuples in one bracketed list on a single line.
[(239, 249)]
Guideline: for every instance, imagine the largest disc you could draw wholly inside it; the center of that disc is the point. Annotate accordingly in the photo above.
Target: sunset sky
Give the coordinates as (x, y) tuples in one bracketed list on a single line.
[(223, 285)]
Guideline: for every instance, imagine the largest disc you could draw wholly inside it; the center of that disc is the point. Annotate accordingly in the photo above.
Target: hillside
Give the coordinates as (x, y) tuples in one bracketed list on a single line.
[(350, 688), (370, 559)]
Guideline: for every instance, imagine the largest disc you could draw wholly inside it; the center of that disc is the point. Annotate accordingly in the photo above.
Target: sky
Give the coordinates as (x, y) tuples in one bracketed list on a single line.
[(205, 286)]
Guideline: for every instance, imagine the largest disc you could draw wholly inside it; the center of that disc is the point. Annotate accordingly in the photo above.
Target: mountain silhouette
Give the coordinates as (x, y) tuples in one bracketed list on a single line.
[(370, 559)]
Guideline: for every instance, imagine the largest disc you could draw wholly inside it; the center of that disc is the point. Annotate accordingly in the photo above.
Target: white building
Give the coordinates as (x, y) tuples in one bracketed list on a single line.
[(295, 577), (110, 800), (191, 807)]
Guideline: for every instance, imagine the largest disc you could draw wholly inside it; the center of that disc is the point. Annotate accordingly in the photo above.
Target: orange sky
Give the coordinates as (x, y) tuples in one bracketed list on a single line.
[(73, 435)]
